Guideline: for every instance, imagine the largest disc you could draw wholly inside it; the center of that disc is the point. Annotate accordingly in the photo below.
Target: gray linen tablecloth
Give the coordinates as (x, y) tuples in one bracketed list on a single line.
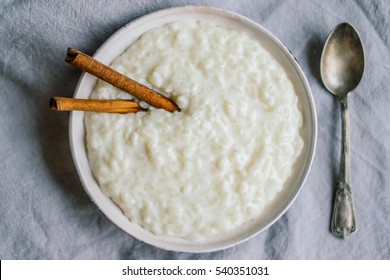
[(46, 214)]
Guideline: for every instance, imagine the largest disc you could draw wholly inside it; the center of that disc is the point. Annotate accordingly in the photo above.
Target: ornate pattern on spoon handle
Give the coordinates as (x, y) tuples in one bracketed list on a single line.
[(343, 219)]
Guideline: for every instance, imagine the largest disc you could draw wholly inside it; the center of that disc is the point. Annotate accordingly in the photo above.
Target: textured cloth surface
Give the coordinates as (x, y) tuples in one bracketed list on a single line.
[(44, 211)]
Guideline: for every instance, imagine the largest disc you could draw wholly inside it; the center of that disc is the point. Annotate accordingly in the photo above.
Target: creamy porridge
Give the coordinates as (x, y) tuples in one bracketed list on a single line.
[(216, 164)]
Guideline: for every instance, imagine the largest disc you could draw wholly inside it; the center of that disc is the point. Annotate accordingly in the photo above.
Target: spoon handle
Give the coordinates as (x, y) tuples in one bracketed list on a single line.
[(343, 219)]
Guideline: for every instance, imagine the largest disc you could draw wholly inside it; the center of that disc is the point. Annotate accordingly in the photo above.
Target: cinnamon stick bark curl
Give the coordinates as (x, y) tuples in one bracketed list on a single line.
[(109, 75), (95, 105)]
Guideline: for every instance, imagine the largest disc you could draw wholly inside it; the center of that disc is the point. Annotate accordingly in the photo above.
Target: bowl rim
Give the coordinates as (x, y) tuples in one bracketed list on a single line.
[(166, 16)]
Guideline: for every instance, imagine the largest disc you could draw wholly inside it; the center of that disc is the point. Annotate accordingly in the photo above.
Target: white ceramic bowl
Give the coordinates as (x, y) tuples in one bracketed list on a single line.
[(116, 45)]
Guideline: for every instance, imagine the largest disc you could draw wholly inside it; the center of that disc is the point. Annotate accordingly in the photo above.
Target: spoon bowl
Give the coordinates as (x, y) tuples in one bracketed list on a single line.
[(342, 67), (342, 61)]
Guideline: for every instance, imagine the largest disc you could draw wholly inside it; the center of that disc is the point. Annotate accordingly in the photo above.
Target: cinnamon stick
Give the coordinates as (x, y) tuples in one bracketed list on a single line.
[(95, 105), (105, 73)]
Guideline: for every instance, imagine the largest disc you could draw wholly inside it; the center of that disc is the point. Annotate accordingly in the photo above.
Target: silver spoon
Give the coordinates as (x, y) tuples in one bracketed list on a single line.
[(342, 67)]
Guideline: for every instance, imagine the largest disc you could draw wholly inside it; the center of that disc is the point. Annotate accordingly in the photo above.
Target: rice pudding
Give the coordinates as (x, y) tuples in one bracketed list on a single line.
[(213, 166)]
